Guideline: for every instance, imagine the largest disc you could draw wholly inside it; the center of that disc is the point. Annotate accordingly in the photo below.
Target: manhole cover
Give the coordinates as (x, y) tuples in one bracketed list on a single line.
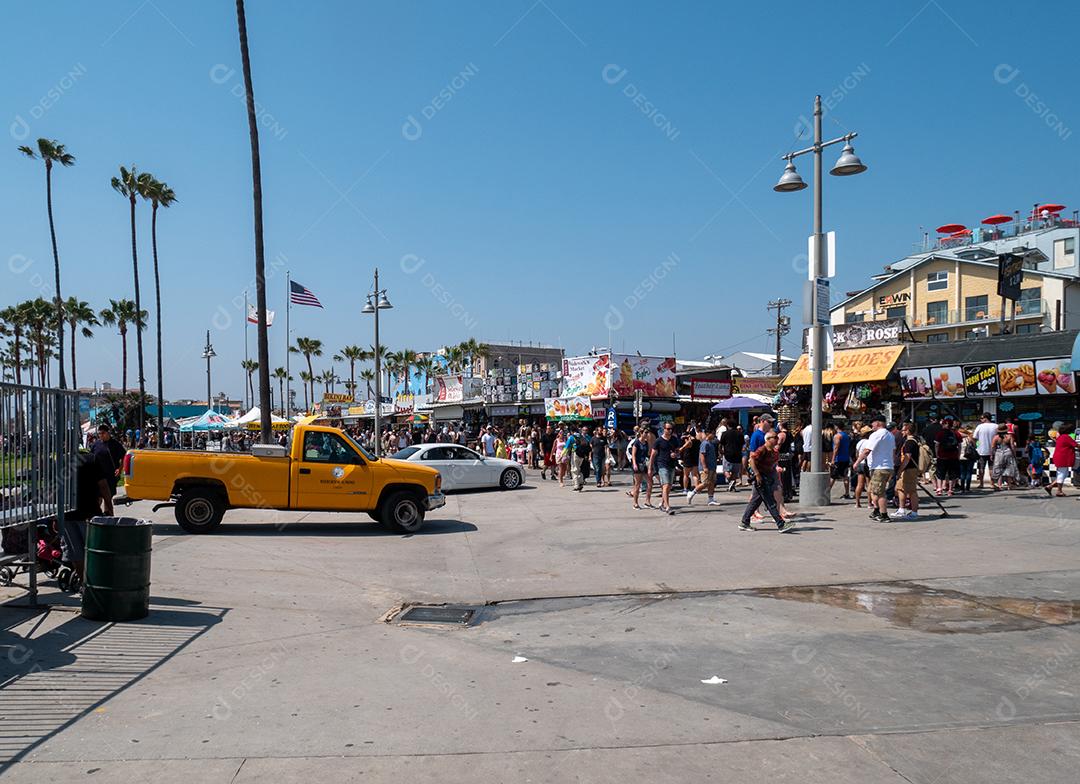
[(459, 616)]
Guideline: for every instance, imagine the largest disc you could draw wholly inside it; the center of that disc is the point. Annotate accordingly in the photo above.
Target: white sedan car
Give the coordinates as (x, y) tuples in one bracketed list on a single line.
[(462, 468)]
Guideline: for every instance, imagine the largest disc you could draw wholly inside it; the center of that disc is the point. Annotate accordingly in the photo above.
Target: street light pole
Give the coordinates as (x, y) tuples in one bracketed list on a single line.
[(814, 485), (377, 301), (208, 354)]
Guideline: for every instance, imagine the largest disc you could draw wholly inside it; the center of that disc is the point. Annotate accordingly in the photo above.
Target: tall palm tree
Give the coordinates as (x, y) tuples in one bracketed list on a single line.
[(256, 192), (307, 379), (51, 151), (123, 313), (455, 358), (367, 375), (353, 354), (41, 329), (407, 358), (160, 195), (309, 347), (425, 365), (132, 185), (250, 366), (326, 378), (77, 312), (282, 376)]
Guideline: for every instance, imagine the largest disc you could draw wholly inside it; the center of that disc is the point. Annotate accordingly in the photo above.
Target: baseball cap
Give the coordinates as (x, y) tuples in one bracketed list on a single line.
[(766, 418)]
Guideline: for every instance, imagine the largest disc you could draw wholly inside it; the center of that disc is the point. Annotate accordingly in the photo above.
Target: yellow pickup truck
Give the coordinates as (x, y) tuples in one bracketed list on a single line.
[(323, 470)]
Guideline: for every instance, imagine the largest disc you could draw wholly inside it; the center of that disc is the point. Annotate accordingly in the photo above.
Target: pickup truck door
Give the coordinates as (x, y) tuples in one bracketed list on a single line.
[(331, 474)]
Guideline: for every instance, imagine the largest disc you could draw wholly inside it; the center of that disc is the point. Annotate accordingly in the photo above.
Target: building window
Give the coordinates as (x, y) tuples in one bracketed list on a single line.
[(897, 312), (937, 281), (854, 318), (937, 312), (975, 308), (938, 337), (1030, 301), (1027, 329), (1064, 253)]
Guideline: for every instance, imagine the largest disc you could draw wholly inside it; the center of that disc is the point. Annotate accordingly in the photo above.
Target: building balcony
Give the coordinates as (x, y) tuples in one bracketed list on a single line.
[(1026, 310)]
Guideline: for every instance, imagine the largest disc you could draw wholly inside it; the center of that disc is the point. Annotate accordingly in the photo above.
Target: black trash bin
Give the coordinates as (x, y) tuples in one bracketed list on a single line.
[(116, 585)]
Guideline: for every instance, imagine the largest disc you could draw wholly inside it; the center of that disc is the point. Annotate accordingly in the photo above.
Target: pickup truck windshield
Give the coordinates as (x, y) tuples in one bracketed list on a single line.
[(365, 452)]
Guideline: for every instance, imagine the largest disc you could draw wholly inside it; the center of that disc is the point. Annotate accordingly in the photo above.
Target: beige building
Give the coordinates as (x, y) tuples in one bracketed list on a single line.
[(944, 298)]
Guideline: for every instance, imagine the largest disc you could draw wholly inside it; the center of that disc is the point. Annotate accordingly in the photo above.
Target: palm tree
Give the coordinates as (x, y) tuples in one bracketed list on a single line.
[(407, 358), (309, 347), (326, 378), (41, 328), (15, 317), (425, 365), (51, 151), (455, 358), (122, 313), (256, 189), (353, 354), (77, 312), (282, 376), (250, 366), (307, 378), (367, 375), (131, 185), (160, 195)]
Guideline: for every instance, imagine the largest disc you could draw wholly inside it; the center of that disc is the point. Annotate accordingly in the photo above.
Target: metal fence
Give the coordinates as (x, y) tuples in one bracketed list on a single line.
[(39, 440)]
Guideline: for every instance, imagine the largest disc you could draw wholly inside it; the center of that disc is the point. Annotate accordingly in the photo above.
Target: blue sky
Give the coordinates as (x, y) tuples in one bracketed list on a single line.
[(537, 200)]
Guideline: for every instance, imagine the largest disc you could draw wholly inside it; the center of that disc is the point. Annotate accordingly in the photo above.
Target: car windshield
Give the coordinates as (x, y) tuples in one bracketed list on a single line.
[(363, 450), (406, 453)]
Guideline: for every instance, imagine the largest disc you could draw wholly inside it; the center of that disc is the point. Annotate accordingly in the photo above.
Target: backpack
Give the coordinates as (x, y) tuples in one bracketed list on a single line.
[(630, 449), (947, 440), (926, 457), (581, 446)]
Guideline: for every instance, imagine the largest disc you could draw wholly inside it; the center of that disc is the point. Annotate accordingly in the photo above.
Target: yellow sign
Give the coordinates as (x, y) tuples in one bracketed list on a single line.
[(849, 367), (337, 397)]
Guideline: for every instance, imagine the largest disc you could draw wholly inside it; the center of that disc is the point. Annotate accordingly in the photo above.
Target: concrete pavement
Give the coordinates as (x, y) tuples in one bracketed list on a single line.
[(935, 651)]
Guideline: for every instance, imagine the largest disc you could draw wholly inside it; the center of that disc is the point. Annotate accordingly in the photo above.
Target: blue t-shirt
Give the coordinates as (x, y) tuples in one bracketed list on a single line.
[(757, 440), (843, 451), (707, 455)]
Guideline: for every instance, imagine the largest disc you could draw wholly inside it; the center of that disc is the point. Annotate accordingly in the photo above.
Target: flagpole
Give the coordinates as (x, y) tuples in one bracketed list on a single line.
[(247, 320), (288, 375)]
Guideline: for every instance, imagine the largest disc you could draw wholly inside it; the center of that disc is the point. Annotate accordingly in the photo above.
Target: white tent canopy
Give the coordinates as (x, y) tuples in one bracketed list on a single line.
[(253, 417)]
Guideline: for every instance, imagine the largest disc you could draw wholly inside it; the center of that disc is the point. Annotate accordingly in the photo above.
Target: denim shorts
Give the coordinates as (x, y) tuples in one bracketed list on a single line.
[(666, 475)]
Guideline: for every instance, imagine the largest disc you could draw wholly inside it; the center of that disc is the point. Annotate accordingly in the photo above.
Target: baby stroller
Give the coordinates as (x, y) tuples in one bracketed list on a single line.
[(50, 558)]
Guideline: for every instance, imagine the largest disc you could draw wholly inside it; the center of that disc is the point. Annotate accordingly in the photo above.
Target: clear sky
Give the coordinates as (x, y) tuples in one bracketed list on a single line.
[(594, 171)]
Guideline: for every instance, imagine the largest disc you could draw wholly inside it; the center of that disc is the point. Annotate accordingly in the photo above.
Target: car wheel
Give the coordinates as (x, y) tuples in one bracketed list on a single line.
[(199, 510), (402, 512), (510, 479)]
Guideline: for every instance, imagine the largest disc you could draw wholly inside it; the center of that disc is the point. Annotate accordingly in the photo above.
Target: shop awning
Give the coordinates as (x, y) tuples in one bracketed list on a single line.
[(849, 367)]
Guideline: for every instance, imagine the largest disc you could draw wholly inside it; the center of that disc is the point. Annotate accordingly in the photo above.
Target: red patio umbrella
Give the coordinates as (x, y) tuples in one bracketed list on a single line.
[(994, 220), (1049, 208), (951, 228)]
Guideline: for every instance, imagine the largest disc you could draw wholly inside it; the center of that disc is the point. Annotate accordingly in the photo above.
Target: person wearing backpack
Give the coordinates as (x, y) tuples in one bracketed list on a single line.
[(578, 447), (907, 486), (947, 448)]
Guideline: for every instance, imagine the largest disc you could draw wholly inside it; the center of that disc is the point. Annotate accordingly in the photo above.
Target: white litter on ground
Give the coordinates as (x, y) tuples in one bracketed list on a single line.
[(519, 659), (715, 680)]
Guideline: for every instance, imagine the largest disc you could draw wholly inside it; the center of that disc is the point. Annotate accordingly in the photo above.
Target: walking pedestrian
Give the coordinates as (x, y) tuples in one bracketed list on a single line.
[(639, 465), (664, 458), (578, 447), (763, 465), (547, 444), (599, 449), (907, 486), (1064, 458), (841, 459), (1004, 472), (561, 454), (878, 453), (707, 462), (688, 459), (984, 443), (947, 451), (732, 441)]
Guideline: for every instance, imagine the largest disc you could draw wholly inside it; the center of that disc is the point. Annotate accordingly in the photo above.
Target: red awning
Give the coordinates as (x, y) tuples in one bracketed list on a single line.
[(994, 220), (961, 233), (951, 228)]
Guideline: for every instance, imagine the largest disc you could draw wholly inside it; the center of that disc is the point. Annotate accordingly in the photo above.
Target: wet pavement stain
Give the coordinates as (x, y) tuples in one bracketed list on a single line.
[(913, 606)]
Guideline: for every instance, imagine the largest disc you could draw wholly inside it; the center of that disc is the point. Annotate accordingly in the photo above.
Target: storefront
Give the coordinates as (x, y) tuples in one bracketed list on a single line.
[(859, 383), (1021, 378)]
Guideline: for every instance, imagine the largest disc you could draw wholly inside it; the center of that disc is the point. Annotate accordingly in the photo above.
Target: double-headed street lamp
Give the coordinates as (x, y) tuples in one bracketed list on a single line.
[(377, 301), (814, 486), (208, 354)]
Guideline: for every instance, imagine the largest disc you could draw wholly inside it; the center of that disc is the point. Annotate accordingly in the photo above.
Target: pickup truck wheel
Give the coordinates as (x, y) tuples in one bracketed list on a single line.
[(402, 512), (199, 510), (510, 479)]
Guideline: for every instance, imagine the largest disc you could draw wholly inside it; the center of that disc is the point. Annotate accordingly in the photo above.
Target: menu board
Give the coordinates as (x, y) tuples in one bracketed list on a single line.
[(981, 380), (1055, 377), (915, 384), (1016, 378), (948, 382)]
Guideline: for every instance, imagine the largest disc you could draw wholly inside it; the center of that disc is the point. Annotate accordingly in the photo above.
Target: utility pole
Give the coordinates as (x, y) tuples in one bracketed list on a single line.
[(783, 327)]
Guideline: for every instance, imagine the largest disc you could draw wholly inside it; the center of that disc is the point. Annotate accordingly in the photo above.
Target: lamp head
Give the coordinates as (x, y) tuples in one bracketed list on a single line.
[(384, 303), (790, 180), (848, 163), (368, 308)]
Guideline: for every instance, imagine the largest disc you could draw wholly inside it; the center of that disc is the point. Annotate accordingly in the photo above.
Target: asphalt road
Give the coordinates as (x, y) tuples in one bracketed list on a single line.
[(937, 651)]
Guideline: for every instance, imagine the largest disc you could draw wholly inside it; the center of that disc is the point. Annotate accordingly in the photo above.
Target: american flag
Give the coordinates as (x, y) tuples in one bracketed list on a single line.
[(299, 295)]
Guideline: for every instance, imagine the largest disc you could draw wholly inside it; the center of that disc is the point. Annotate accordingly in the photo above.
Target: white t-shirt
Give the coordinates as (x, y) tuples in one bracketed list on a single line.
[(882, 445), (489, 444), (984, 437), (808, 444), (863, 444)]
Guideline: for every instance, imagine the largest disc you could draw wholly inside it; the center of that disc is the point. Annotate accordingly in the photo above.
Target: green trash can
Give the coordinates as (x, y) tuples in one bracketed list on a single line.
[(116, 586)]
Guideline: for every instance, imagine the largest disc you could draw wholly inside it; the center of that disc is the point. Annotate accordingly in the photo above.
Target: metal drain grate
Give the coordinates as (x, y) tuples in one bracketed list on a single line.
[(456, 616)]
